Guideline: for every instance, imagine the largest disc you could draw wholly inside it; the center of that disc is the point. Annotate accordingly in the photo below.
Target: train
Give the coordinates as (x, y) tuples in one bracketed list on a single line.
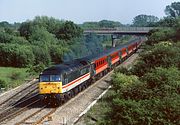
[(63, 81)]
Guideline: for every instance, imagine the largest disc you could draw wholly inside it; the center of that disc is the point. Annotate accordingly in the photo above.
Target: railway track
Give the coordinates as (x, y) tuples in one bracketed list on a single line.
[(15, 110), (19, 96), (38, 116)]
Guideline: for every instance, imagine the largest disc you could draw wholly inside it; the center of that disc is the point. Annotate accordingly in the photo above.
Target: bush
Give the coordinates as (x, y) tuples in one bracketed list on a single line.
[(41, 55), (122, 70), (146, 112), (36, 69), (121, 81), (56, 53), (130, 87), (2, 83), (15, 76), (163, 54), (16, 55), (163, 81), (157, 36), (153, 100)]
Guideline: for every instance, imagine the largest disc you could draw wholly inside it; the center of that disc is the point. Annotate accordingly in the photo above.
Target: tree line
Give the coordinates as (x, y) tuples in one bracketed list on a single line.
[(44, 40)]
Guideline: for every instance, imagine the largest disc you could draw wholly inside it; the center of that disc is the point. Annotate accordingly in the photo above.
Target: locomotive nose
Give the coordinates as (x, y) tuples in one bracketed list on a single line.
[(50, 87)]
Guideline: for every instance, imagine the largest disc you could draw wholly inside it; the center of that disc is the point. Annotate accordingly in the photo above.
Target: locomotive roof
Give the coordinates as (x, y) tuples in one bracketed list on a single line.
[(65, 67)]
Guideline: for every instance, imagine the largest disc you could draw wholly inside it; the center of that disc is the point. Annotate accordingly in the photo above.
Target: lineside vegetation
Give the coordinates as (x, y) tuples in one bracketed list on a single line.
[(149, 92)]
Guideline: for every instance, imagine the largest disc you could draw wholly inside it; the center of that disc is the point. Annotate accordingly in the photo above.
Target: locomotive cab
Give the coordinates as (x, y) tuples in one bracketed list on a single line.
[(50, 84)]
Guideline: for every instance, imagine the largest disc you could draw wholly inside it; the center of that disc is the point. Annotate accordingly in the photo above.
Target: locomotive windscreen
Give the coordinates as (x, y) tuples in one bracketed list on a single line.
[(50, 78)]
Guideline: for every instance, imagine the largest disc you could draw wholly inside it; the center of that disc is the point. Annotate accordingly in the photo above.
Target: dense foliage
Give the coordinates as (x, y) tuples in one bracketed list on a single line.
[(101, 24), (149, 92), (173, 10), (45, 41), (144, 20)]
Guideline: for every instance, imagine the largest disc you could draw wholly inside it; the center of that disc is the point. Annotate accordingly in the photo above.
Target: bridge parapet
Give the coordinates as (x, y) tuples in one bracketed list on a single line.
[(121, 30)]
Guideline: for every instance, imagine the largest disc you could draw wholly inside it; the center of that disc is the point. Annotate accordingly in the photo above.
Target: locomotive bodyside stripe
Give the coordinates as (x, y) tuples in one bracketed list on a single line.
[(75, 82)]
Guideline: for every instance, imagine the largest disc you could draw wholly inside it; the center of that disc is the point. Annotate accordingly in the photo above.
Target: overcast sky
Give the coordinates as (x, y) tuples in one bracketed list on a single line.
[(81, 11)]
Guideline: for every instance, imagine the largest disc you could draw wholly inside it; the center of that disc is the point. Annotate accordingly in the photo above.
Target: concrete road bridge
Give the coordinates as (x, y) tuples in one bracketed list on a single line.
[(120, 31)]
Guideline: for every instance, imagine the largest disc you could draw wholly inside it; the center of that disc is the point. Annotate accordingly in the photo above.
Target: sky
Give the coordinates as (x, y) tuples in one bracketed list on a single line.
[(80, 11)]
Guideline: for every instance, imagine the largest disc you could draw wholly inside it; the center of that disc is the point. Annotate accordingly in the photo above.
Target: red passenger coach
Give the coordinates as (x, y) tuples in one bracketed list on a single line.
[(130, 48), (101, 64), (123, 53), (134, 46), (115, 57)]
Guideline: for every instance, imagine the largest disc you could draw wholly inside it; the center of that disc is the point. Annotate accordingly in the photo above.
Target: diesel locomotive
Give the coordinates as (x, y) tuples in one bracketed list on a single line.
[(65, 80)]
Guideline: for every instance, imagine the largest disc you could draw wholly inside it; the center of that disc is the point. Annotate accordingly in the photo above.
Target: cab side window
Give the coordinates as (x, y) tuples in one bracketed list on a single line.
[(65, 81), (83, 71)]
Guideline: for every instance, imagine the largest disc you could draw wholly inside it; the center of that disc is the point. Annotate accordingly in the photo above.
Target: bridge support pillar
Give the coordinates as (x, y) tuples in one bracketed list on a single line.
[(113, 37)]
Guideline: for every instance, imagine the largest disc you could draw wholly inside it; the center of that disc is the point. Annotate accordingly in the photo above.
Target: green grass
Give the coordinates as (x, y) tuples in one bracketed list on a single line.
[(13, 76)]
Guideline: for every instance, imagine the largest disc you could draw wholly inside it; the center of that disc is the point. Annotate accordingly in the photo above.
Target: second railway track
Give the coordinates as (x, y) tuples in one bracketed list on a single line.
[(18, 96), (11, 112), (38, 116)]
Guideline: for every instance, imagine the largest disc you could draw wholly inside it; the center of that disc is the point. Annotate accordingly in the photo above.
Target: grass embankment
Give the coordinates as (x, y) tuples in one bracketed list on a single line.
[(99, 111), (12, 77)]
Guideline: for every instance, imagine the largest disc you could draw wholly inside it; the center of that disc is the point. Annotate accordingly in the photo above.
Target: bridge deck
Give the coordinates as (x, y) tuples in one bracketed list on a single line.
[(121, 30)]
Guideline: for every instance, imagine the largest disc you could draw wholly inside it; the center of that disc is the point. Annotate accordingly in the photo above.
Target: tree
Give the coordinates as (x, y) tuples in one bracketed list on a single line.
[(26, 29), (101, 24), (40, 36), (51, 24), (167, 22), (5, 24), (68, 31), (144, 20), (155, 36), (57, 52), (173, 10), (16, 55), (109, 24), (90, 25), (163, 54), (41, 55)]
